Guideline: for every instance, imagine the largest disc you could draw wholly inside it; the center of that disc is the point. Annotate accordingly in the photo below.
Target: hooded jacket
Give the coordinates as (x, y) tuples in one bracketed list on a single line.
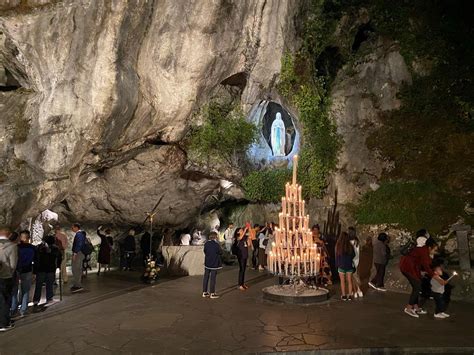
[(8, 258)]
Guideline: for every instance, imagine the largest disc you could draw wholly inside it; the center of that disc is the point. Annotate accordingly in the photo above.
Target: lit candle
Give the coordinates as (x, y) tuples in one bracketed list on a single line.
[(298, 259), (304, 261), (302, 208), (283, 205), (292, 265)]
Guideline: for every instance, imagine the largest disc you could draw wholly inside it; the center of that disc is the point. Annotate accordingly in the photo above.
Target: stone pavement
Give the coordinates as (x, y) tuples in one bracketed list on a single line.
[(172, 318)]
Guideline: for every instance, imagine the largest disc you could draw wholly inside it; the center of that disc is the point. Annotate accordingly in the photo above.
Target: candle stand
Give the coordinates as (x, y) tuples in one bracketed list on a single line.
[(294, 256)]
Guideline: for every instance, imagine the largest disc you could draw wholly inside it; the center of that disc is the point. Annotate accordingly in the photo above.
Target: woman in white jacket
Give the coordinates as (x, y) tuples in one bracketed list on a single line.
[(355, 262)]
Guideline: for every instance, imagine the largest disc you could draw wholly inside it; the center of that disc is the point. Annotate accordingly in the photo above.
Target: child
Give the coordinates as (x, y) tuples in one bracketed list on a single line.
[(212, 263), (437, 289)]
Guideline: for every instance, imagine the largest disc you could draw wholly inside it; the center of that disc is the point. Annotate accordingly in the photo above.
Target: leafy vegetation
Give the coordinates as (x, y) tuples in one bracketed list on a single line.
[(224, 136), (411, 205), (266, 185)]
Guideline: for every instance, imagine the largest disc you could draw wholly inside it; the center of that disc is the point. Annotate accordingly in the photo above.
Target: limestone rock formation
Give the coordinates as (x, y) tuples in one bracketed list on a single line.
[(358, 100), (106, 91)]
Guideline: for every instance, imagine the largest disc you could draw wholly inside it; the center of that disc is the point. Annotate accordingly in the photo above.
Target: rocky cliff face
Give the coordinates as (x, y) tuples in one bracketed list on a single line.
[(105, 91), (358, 100)]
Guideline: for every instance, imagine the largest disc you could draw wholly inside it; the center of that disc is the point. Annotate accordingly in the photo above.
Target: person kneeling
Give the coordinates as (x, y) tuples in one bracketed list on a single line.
[(212, 263)]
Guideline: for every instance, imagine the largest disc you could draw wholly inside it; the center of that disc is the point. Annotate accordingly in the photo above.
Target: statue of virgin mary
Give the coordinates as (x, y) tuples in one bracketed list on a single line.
[(278, 136)]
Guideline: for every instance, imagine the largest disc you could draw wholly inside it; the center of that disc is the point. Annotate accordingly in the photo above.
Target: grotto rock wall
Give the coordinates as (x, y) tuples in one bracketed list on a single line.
[(101, 80)]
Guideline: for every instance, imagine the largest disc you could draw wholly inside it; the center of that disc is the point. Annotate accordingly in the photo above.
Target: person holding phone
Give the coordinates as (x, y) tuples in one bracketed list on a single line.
[(242, 239)]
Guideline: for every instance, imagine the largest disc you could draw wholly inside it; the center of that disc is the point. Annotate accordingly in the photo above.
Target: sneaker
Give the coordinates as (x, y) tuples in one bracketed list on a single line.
[(356, 295), (7, 328), (446, 315), (421, 311), (383, 289), (350, 298), (261, 268), (372, 285), (75, 289), (360, 294), (439, 315), (242, 288), (343, 298), (411, 313), (205, 294), (215, 295)]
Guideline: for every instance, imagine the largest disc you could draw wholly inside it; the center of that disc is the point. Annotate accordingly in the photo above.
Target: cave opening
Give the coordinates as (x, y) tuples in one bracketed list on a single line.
[(8, 82), (363, 34), (328, 63)]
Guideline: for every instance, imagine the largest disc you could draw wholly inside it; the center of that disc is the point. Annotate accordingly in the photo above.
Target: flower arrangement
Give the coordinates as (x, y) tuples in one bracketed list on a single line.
[(151, 271)]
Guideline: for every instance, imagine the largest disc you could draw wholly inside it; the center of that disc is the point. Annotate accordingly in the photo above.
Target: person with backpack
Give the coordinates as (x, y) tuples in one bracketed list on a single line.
[(78, 248), (24, 271), (411, 266), (381, 256), (8, 263), (47, 260), (212, 263)]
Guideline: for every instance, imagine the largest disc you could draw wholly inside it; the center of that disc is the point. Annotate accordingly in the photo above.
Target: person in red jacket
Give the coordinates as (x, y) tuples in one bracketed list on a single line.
[(418, 260)]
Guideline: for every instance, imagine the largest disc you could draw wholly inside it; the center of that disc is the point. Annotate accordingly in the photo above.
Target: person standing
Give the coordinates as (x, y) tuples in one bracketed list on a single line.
[(344, 261), (263, 238), (212, 263), (77, 257), (8, 263), (411, 266), (365, 263), (242, 239), (105, 249), (380, 261), (62, 243), (229, 236), (355, 262), (255, 245), (26, 257), (48, 259), (324, 276), (129, 249)]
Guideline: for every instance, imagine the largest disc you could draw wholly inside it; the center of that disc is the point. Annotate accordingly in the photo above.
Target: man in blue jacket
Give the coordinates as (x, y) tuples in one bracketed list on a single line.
[(77, 257), (212, 263)]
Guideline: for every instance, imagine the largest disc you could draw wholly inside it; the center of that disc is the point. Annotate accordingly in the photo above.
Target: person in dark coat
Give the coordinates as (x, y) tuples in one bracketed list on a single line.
[(47, 260), (212, 263), (242, 240), (145, 246), (129, 248), (105, 249)]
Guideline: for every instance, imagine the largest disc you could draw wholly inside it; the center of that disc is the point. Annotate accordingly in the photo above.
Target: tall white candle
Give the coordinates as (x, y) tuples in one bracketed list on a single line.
[(295, 167)]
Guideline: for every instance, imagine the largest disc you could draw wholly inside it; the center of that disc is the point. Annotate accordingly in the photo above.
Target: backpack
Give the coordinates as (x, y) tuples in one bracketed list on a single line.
[(87, 248), (406, 248)]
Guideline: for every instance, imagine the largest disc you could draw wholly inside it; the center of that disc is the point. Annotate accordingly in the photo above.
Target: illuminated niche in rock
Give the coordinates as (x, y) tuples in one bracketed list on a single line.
[(278, 140)]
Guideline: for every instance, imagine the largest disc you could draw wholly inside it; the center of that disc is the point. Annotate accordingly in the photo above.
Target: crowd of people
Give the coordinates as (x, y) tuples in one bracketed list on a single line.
[(343, 259)]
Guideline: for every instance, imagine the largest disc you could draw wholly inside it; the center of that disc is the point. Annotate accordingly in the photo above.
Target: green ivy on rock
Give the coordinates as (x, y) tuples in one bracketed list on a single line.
[(410, 205), (225, 134)]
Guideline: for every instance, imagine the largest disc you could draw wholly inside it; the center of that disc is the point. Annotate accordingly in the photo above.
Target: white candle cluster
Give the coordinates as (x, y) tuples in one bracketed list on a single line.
[(293, 252)]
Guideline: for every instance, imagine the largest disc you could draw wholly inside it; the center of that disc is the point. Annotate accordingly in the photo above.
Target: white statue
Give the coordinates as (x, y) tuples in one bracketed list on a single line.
[(278, 136)]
